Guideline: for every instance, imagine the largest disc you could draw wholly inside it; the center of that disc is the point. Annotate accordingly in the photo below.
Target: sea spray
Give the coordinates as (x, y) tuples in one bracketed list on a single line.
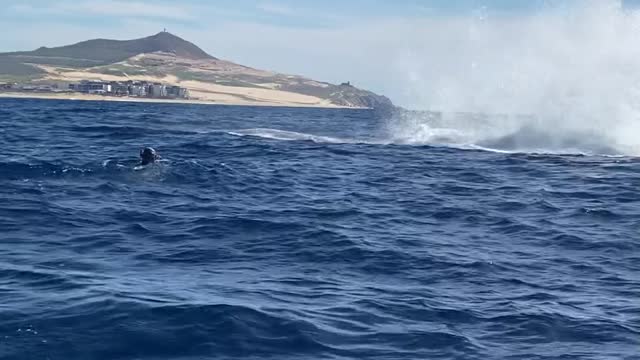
[(568, 75)]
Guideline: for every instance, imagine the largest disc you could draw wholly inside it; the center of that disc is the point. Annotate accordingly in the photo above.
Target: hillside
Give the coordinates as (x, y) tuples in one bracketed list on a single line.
[(167, 58), (103, 51)]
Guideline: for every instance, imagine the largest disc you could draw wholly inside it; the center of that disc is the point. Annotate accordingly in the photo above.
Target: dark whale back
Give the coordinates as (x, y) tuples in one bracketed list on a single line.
[(148, 155)]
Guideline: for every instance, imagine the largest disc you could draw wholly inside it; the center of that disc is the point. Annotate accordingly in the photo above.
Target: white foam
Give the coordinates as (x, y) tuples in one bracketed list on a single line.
[(573, 69), (424, 135), (284, 135)]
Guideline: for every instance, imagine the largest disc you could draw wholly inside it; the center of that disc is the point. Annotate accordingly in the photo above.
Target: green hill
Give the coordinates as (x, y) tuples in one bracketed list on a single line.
[(102, 52), (165, 56)]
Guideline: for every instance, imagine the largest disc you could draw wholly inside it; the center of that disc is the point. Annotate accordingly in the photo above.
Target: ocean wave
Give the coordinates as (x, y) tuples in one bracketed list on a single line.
[(329, 239), (521, 135), (526, 140), (136, 328), (276, 134)]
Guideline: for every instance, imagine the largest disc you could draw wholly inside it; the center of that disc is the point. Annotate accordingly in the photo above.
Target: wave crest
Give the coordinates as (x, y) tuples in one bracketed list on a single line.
[(502, 133), (276, 134)]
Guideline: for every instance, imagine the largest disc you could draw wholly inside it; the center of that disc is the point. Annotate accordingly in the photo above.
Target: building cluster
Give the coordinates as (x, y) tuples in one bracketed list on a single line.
[(112, 88), (131, 88), (29, 87)]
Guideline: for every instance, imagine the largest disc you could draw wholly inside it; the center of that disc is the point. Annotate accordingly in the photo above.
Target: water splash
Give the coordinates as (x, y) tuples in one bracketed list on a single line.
[(573, 72)]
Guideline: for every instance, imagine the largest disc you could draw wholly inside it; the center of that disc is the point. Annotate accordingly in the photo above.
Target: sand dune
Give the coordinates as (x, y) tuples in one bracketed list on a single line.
[(201, 92)]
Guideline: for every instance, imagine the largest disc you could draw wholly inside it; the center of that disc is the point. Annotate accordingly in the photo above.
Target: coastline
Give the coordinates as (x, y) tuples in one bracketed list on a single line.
[(223, 101)]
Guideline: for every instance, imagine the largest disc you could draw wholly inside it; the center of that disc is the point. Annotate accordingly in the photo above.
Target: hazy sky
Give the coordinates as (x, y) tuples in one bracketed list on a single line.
[(369, 42)]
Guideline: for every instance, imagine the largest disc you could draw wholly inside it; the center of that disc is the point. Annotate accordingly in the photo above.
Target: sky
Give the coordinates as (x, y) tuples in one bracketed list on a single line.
[(368, 42)]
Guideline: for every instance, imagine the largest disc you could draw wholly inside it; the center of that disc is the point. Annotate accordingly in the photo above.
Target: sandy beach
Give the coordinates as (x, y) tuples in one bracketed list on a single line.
[(220, 99), (201, 92)]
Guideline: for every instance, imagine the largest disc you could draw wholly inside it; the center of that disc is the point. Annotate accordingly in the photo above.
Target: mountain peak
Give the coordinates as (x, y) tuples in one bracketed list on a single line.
[(167, 42), (103, 51), (166, 36), (165, 33)]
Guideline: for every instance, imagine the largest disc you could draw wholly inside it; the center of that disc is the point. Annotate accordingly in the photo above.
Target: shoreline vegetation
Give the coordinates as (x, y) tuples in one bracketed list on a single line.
[(221, 101)]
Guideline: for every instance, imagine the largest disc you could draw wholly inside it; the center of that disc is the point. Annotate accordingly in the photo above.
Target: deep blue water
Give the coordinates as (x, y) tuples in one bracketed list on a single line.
[(293, 234)]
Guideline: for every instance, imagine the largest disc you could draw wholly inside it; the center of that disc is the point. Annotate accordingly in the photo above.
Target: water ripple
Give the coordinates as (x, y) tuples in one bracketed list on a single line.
[(305, 236)]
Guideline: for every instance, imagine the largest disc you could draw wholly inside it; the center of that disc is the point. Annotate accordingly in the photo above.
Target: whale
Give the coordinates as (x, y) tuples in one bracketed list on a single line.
[(148, 155)]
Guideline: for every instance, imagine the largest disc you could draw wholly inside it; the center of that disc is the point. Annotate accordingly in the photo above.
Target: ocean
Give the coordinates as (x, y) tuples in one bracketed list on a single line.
[(292, 233)]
